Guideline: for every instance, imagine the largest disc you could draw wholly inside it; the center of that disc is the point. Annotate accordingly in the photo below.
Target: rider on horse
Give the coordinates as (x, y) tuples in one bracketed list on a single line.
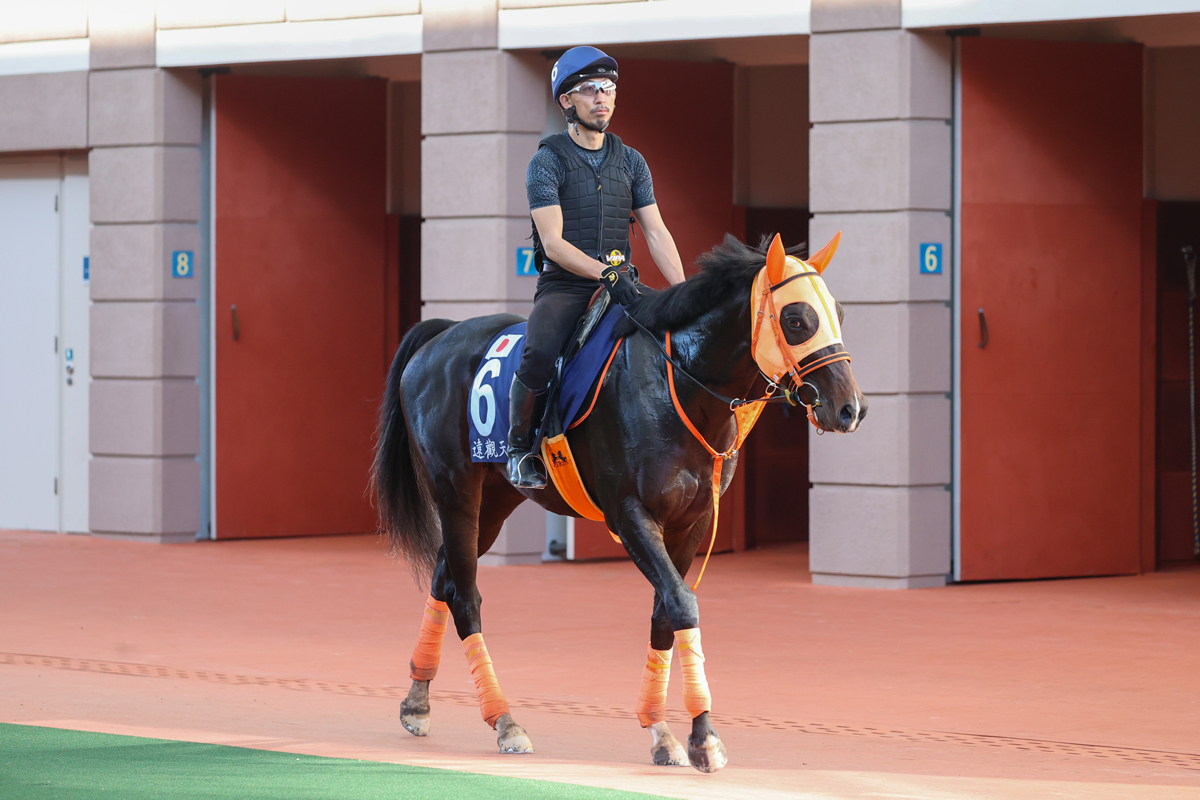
[(580, 234)]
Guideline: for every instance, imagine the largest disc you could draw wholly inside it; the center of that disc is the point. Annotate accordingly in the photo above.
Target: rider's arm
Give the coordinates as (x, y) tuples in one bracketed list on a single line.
[(662, 245), (549, 222)]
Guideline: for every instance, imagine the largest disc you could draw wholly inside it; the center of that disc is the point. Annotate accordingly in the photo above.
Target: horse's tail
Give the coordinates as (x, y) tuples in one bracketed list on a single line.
[(401, 484)]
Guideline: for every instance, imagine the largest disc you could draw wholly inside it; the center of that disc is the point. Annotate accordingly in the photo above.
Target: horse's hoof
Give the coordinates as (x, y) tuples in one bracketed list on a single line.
[(414, 720), (666, 751), (709, 756), (511, 737)]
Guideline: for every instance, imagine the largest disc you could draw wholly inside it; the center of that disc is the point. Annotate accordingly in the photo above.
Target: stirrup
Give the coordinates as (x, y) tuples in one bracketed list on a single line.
[(531, 475)]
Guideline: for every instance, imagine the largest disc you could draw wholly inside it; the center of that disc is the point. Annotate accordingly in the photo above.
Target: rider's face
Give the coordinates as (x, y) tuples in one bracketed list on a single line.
[(596, 110)]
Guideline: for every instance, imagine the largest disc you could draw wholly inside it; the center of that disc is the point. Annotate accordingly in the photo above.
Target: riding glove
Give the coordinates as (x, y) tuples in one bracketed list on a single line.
[(620, 288)]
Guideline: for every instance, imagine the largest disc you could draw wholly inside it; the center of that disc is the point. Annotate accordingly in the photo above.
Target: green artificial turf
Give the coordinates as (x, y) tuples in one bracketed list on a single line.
[(53, 764)]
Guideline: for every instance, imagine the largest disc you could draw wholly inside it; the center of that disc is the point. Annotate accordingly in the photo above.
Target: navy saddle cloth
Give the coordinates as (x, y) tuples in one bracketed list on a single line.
[(488, 406)]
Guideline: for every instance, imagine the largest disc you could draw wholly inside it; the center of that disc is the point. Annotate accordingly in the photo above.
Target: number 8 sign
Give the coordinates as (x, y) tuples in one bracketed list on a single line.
[(182, 264)]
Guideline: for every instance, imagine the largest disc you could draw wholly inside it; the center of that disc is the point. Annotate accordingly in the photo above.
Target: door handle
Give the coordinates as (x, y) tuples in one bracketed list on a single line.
[(237, 327), (983, 330)]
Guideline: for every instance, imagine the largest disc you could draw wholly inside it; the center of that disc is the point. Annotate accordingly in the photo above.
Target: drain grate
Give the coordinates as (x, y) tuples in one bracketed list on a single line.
[(1190, 761)]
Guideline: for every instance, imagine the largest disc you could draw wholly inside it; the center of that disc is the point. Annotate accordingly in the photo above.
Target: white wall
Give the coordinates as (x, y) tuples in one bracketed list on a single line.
[(74, 387), (956, 13), (28, 22), (30, 356), (190, 14)]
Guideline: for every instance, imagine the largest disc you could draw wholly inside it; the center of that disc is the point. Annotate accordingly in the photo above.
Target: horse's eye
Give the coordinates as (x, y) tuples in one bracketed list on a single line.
[(801, 323)]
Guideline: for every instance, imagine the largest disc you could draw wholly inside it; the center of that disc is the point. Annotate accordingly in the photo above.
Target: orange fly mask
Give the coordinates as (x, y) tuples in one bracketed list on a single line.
[(799, 314)]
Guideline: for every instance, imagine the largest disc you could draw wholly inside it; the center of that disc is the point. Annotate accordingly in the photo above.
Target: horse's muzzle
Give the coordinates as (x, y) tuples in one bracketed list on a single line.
[(850, 414)]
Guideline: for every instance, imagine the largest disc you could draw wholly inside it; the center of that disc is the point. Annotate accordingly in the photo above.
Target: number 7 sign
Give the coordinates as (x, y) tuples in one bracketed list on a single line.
[(525, 265)]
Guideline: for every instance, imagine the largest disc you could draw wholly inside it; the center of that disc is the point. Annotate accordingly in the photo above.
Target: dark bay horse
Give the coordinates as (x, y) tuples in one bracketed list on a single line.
[(748, 311)]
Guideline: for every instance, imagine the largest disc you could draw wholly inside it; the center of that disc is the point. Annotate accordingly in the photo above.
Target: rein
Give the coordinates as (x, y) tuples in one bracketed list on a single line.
[(746, 417), (798, 372), (734, 403)]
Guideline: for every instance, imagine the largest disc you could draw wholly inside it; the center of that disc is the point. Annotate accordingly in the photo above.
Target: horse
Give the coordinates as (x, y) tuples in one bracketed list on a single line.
[(652, 454)]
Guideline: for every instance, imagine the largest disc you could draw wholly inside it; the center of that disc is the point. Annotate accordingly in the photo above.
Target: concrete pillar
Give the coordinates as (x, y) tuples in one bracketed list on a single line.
[(880, 171), (482, 114), (144, 128)]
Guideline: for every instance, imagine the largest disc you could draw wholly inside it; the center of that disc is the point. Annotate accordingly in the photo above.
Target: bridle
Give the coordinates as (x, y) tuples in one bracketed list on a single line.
[(777, 391), (797, 369)]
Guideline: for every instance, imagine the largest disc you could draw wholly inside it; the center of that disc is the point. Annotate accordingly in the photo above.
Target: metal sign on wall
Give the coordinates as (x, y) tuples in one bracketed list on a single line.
[(183, 264), (929, 258), (525, 267)]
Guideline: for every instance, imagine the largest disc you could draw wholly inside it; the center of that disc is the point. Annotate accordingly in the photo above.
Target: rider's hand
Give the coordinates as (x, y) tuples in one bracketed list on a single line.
[(622, 290)]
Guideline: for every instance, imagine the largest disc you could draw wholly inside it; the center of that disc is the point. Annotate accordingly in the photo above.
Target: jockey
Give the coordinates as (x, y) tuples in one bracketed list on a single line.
[(582, 185)]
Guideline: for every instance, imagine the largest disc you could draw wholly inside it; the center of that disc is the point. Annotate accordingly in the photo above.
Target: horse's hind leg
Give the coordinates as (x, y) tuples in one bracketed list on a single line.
[(466, 539), (423, 666)]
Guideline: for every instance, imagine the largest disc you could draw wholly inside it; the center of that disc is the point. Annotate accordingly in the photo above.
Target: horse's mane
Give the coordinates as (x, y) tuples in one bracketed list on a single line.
[(726, 274)]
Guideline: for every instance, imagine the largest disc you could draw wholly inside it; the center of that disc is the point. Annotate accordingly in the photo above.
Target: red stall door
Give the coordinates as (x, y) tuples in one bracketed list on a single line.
[(1051, 236), (302, 254)]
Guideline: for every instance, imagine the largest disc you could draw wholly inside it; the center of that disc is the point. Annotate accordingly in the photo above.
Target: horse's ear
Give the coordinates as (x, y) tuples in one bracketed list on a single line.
[(820, 260), (775, 260)]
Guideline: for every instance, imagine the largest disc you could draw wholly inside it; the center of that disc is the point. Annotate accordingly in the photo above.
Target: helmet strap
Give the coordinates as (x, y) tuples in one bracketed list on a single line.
[(573, 119)]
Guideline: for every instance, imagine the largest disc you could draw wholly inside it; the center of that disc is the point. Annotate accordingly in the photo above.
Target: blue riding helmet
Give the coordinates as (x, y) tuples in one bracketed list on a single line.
[(579, 64)]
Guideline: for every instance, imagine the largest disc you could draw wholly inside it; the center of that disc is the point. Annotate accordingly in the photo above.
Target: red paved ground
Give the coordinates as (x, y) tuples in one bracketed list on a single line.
[(1075, 688)]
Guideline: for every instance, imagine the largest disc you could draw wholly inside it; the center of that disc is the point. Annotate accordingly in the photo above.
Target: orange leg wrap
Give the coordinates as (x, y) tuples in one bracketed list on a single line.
[(652, 697), (428, 652), (491, 700), (696, 698)]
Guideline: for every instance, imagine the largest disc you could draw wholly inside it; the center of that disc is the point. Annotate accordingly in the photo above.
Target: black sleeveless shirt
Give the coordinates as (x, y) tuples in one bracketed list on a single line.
[(596, 204)]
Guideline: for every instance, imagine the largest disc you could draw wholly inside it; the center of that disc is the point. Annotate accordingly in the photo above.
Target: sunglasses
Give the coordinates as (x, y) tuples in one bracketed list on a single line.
[(593, 88)]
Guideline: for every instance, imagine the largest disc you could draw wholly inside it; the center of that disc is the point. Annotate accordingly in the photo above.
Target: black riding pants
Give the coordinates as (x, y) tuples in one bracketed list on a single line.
[(559, 302)]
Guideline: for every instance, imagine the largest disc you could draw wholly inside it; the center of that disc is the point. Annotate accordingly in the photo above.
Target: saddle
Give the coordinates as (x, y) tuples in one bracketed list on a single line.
[(563, 413), (552, 416), (583, 358)]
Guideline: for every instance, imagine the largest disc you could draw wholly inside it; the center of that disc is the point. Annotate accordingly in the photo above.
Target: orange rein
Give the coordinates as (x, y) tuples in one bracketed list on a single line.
[(746, 416)]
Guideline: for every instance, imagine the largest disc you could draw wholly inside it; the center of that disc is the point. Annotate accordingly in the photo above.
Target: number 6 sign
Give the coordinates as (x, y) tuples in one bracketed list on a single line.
[(483, 399), (930, 259)]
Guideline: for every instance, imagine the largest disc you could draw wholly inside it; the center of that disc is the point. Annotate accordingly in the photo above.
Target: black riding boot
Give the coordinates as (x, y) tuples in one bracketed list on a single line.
[(525, 469)]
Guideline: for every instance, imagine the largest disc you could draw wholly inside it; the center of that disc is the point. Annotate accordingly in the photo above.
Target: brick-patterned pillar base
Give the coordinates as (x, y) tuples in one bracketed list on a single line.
[(880, 171), (145, 177), (482, 114)]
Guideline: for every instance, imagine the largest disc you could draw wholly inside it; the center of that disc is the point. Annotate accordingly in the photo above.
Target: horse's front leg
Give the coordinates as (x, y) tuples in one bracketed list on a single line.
[(665, 749), (644, 541)]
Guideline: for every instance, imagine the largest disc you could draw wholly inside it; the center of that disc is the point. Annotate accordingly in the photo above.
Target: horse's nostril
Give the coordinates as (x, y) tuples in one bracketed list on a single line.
[(862, 412), (846, 415)]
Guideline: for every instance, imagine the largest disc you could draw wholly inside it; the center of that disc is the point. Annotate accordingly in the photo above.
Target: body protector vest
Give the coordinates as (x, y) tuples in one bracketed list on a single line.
[(596, 204)]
